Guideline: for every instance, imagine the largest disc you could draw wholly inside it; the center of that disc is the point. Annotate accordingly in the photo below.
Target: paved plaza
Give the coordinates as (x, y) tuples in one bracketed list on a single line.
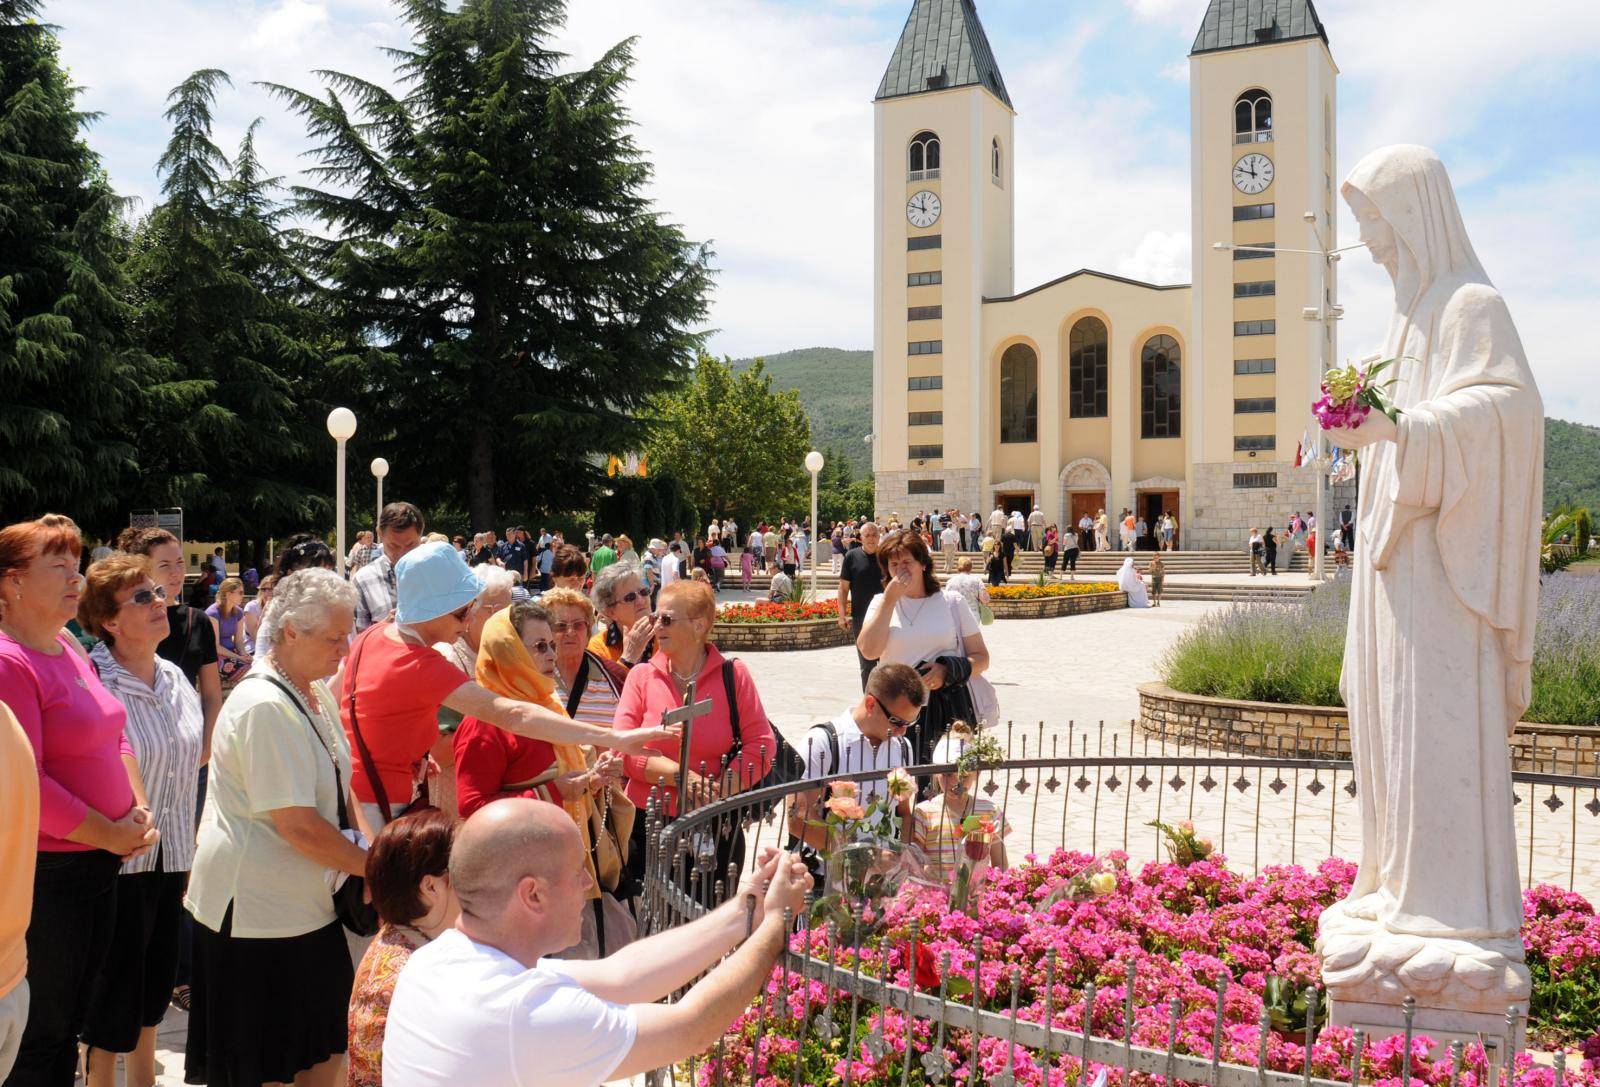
[(1070, 675)]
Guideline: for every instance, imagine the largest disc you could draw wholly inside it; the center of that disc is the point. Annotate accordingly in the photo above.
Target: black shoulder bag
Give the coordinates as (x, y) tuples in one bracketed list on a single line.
[(787, 765), (349, 901)]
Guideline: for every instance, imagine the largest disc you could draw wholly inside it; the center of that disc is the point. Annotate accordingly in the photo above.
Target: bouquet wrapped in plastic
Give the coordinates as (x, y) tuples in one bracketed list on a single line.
[(1349, 395)]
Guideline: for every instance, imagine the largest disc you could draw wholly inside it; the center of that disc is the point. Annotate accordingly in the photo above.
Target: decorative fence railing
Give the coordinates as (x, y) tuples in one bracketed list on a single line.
[(1095, 790)]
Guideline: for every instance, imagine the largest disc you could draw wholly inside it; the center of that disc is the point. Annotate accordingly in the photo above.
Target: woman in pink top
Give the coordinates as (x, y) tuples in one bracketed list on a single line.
[(91, 801), (684, 617)]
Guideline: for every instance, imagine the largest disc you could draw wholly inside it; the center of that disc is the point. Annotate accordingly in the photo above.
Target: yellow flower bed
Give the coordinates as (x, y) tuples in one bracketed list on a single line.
[(1054, 588)]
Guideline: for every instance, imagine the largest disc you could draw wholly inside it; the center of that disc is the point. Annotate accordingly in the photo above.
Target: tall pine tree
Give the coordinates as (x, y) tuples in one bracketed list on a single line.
[(514, 301), (72, 383), (220, 297)]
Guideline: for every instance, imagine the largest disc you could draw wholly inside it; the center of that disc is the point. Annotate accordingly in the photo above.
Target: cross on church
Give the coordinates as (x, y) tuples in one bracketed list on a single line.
[(686, 716)]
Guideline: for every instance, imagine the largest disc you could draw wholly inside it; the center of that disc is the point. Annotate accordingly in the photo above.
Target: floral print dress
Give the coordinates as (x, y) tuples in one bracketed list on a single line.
[(369, 1001)]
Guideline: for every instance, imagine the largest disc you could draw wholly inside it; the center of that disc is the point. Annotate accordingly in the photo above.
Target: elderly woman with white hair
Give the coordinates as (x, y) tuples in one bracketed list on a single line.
[(269, 836), (623, 601)]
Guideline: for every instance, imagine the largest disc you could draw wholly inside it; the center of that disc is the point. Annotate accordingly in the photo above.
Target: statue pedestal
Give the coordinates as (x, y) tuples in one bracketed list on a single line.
[(1443, 1025)]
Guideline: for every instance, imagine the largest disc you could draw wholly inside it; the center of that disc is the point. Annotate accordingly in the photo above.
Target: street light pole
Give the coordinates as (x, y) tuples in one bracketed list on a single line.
[(814, 466), (380, 468), (341, 428), (1327, 314)]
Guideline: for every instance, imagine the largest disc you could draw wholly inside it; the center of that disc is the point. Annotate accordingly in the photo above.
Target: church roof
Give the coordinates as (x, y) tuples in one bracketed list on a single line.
[(1235, 24), (943, 45)]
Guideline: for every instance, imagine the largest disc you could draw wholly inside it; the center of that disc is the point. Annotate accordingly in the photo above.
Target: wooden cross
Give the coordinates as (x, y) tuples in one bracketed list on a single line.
[(685, 715)]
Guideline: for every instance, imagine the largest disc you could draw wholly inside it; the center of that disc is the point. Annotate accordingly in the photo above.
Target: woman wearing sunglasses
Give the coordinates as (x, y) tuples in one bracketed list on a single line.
[(623, 601), (394, 683), (127, 611), (731, 748)]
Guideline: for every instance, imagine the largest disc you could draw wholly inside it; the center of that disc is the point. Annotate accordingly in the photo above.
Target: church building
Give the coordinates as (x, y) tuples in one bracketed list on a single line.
[(1094, 391)]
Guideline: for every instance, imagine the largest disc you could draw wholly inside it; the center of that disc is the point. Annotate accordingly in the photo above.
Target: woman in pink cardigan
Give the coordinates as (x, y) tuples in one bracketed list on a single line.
[(684, 617)]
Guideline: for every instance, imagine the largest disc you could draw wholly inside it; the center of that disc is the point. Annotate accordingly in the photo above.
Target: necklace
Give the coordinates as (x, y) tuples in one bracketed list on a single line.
[(685, 680), (305, 692), (913, 616)]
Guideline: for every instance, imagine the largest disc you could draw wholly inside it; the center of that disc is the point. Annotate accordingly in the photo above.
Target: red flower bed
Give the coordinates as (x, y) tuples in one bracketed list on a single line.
[(768, 612)]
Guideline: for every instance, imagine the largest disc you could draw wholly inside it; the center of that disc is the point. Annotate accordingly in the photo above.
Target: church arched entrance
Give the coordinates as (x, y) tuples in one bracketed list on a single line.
[(1085, 491)]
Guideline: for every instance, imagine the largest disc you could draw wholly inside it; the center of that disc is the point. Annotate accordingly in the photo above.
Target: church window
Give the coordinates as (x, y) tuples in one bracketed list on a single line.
[(1160, 388), (1255, 328), (924, 279), (1087, 377), (924, 486), (924, 241), (1244, 213), (925, 347), (1261, 288), (1255, 480), (995, 162), (1254, 443), (1019, 394), (1255, 405), (924, 418), (924, 313), (924, 384), (1246, 367), (1252, 117), (922, 158), (924, 452)]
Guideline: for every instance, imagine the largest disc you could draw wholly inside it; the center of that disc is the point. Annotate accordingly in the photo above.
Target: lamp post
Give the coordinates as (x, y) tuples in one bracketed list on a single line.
[(380, 468), (1327, 314), (814, 466), (341, 428)]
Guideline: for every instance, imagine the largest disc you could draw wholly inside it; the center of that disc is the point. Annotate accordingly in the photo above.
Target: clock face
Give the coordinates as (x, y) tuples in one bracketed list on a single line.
[(1252, 173), (922, 210)]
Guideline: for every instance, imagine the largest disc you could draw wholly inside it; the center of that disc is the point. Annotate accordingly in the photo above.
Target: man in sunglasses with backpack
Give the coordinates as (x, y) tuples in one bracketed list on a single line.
[(869, 736)]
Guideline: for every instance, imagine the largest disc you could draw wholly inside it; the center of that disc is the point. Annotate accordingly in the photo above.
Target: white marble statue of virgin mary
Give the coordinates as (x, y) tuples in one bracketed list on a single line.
[(1438, 650)]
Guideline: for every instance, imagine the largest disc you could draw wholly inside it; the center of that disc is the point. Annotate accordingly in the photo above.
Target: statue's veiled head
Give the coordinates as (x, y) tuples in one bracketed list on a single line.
[(1406, 212)]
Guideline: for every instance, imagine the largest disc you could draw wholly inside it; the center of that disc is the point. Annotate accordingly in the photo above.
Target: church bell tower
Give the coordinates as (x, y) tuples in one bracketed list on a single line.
[(942, 242), (1262, 102)]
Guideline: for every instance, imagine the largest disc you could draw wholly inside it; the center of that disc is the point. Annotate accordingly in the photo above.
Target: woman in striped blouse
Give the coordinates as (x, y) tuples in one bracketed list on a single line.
[(126, 610)]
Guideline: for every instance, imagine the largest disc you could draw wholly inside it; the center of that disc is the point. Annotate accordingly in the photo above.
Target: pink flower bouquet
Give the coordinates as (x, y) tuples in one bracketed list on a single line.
[(1349, 394)]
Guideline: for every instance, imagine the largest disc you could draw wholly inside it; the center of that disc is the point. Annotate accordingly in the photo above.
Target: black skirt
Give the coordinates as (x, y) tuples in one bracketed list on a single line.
[(135, 983), (266, 1009)]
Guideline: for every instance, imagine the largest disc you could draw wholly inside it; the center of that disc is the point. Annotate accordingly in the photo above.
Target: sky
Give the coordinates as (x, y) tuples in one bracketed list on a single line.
[(757, 115)]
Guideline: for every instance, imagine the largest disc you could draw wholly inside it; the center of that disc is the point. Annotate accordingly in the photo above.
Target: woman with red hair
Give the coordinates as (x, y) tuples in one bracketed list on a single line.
[(92, 813)]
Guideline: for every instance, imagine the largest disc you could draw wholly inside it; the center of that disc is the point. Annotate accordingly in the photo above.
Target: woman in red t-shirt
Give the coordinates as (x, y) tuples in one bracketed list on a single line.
[(394, 684)]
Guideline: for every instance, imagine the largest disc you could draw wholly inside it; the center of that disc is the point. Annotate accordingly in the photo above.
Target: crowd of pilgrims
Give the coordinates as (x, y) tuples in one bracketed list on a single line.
[(212, 804)]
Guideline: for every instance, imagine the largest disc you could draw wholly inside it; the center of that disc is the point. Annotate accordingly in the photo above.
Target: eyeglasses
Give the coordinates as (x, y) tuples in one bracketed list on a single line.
[(563, 628), (145, 597), (664, 620), (461, 613), (629, 598), (541, 647)]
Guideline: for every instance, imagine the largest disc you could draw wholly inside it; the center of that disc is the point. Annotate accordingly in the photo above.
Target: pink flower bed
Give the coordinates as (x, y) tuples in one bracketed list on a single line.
[(1181, 928)]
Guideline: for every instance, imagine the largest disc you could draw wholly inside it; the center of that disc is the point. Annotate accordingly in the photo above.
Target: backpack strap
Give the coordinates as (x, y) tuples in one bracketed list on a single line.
[(833, 745), (580, 683)]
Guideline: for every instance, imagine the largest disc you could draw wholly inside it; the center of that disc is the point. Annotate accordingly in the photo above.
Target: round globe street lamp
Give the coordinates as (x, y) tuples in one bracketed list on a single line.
[(814, 466), (380, 468), (341, 428)]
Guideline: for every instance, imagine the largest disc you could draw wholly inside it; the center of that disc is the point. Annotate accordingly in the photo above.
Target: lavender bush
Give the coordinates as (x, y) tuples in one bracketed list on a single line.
[(1292, 652)]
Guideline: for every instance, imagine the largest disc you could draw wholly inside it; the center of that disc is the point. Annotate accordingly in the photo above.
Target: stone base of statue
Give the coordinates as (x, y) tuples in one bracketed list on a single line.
[(1469, 990)]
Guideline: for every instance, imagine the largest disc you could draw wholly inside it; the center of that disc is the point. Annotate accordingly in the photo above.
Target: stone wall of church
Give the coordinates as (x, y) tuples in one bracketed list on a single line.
[(1221, 514), (893, 495)]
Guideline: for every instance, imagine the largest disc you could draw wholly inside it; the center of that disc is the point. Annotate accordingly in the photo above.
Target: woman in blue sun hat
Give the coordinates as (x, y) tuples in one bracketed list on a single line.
[(395, 682)]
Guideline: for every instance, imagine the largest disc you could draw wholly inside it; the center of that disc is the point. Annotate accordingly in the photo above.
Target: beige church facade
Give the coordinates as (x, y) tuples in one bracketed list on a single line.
[(1092, 390)]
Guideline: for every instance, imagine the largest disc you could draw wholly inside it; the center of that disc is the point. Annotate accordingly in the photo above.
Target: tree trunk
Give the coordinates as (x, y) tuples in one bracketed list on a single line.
[(480, 481)]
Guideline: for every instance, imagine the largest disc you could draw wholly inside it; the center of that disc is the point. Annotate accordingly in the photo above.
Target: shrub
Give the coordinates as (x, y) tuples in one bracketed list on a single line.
[(1292, 652)]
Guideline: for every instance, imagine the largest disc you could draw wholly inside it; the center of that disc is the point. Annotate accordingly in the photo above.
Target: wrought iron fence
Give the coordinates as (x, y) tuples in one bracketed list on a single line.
[(1095, 790)]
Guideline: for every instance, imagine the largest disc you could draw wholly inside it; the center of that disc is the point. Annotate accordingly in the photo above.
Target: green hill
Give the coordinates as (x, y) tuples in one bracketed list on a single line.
[(836, 388), (1571, 464)]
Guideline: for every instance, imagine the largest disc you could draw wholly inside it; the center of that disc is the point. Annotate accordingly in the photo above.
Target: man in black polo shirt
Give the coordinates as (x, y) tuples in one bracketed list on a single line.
[(859, 581)]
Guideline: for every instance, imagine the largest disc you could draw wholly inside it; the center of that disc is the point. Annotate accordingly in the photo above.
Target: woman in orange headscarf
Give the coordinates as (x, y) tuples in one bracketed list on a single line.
[(516, 659)]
